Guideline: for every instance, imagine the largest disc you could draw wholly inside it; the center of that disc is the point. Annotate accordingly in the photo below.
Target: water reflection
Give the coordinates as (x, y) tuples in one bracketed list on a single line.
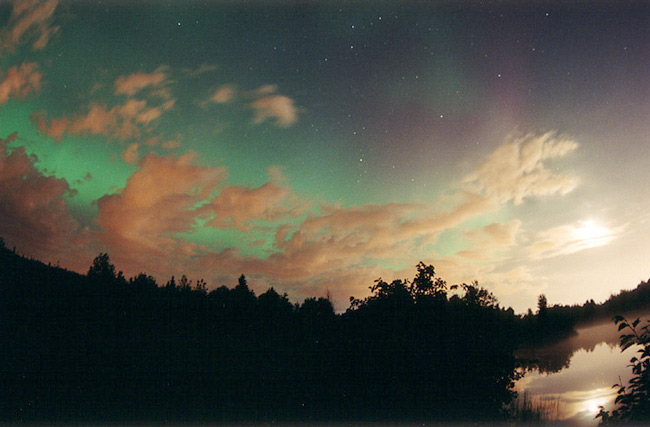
[(577, 374)]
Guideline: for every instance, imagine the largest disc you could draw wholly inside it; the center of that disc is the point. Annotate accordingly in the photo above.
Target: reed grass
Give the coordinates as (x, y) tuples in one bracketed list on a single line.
[(532, 409)]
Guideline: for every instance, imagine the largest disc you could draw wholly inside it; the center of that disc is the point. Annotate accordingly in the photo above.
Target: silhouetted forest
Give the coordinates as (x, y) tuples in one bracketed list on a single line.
[(550, 322), (100, 347)]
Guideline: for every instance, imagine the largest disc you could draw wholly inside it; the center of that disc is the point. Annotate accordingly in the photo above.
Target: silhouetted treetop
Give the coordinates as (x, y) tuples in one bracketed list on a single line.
[(425, 288), (242, 283), (425, 282), (101, 268), (477, 295)]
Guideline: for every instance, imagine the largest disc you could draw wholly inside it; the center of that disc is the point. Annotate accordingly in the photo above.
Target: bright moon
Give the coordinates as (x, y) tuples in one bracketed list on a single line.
[(591, 234)]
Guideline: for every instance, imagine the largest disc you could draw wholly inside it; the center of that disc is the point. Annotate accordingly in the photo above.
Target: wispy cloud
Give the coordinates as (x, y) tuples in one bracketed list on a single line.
[(30, 22), (267, 104), (201, 69), (134, 83), (571, 238), (131, 118), (125, 121), (517, 170)]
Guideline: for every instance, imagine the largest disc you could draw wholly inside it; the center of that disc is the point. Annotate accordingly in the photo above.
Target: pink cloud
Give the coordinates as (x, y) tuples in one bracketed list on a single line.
[(33, 211), (322, 245), (464, 206), (148, 114), (131, 154), (310, 249), (126, 121), (359, 242), (30, 20), (158, 201), (345, 249), (340, 249), (133, 83), (240, 207), (166, 196), (54, 129), (278, 108), (171, 144), (20, 81), (224, 94), (98, 121)]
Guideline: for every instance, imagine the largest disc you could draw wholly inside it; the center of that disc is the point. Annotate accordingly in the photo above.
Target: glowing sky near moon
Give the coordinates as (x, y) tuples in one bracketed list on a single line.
[(317, 146)]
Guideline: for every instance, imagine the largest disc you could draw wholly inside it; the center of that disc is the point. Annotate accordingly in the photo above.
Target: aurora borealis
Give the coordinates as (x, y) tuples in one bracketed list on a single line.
[(315, 146)]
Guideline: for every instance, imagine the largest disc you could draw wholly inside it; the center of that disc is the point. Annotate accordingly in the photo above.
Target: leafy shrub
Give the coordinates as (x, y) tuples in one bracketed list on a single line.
[(633, 400)]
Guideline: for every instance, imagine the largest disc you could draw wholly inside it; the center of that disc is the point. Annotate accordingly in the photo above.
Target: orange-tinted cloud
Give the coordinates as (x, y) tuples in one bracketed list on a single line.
[(338, 241), (278, 108), (240, 207), (131, 154), (341, 251), (171, 144), (363, 242), (159, 200), (498, 234), (54, 129), (20, 81), (133, 83), (224, 94), (30, 22), (308, 248), (126, 121), (33, 208), (98, 121)]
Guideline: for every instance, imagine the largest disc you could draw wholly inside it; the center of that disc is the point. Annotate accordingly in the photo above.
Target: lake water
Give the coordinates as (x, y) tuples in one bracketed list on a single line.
[(576, 374)]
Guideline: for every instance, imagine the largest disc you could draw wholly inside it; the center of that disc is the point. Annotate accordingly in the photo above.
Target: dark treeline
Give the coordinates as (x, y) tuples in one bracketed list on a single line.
[(100, 347), (540, 333), (551, 322)]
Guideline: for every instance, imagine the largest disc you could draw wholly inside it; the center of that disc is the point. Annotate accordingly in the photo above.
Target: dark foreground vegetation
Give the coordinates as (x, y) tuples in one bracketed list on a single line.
[(633, 399), (99, 347)]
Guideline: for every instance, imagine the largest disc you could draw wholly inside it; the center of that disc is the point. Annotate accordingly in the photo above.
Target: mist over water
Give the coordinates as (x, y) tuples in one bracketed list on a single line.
[(575, 376)]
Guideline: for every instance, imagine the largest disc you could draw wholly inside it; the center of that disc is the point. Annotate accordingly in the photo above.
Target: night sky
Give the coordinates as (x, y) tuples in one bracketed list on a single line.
[(315, 146)]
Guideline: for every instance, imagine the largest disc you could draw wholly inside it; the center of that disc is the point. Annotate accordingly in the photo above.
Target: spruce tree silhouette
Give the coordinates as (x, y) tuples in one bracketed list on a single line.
[(101, 268)]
